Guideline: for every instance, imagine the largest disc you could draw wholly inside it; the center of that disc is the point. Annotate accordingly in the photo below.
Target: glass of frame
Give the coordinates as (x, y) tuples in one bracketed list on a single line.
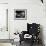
[(20, 14)]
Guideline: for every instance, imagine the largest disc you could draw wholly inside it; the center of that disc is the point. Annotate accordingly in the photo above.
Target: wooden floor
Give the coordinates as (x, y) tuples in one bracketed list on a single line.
[(27, 44), (6, 40)]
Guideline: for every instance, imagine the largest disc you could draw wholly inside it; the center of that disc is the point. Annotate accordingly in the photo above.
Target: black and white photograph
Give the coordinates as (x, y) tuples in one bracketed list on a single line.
[(20, 14)]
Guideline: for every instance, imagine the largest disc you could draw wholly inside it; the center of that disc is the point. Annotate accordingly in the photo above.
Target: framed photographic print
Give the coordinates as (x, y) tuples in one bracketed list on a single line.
[(20, 14)]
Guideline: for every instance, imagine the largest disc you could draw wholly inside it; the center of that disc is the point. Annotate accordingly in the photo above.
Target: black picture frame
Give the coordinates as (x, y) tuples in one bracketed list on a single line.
[(20, 14)]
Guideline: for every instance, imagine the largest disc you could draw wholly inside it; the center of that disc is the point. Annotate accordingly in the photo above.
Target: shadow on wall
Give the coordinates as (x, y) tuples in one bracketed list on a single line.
[(41, 34)]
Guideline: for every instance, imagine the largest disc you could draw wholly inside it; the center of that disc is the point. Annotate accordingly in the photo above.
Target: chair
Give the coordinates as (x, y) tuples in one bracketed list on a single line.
[(33, 30)]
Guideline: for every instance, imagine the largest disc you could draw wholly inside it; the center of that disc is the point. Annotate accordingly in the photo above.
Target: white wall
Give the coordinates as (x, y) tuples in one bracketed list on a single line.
[(3, 1)]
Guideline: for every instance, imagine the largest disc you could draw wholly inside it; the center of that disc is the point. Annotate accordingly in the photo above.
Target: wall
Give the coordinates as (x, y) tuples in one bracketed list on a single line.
[(3, 1), (35, 13)]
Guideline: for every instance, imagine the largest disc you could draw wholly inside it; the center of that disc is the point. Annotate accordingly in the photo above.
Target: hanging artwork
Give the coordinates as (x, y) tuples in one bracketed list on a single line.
[(20, 14)]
